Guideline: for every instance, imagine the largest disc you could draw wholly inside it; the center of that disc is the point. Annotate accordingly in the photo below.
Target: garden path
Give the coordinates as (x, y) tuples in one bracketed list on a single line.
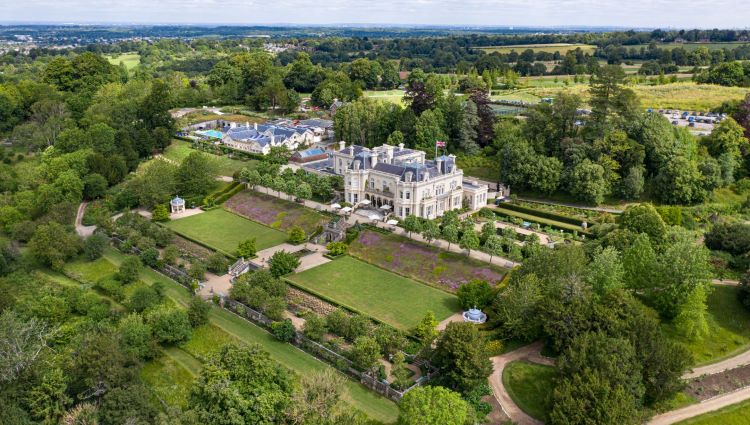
[(544, 239), (457, 317), (83, 231), (509, 407), (705, 406), (187, 213), (741, 359), (298, 322), (214, 284)]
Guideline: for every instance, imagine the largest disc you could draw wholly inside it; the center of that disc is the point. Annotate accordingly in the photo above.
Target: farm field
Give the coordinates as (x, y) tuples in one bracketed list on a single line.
[(728, 328), (131, 60), (390, 298), (223, 230), (563, 48), (736, 414), (694, 46), (179, 150), (530, 386), (429, 264), (274, 212), (376, 407), (392, 96)]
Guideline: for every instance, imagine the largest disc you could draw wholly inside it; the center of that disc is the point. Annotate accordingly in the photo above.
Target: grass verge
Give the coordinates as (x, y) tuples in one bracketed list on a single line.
[(530, 386)]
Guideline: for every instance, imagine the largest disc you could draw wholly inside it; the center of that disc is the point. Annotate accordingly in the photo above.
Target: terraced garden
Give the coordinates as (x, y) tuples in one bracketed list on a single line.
[(223, 231), (425, 263), (274, 212), (375, 292)]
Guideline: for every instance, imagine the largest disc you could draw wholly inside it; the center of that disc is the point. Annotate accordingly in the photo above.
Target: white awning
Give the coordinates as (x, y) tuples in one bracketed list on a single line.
[(346, 209), (335, 206), (385, 207), (365, 202)]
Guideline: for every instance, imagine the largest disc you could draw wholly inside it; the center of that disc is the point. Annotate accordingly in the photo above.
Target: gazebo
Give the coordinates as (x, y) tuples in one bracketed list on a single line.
[(177, 204), (474, 315)]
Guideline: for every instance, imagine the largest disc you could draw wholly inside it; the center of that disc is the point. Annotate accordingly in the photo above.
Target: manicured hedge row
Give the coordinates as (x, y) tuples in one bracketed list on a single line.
[(223, 198), (543, 214), (545, 222), (219, 197)]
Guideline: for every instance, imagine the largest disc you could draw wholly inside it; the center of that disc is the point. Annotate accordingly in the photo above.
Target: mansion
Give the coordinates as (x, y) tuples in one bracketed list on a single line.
[(259, 139), (405, 181)]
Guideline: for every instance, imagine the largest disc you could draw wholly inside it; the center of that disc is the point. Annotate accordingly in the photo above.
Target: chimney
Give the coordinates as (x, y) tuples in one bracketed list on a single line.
[(351, 150), (356, 165), (342, 145), (255, 125), (273, 140), (439, 164), (400, 147), (247, 124), (373, 160)]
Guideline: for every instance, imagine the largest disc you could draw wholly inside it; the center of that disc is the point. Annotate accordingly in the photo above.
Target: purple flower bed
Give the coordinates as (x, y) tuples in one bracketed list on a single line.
[(274, 212), (426, 263)]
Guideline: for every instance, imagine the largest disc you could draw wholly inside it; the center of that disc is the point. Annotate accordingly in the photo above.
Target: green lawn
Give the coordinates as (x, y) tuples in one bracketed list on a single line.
[(90, 271), (131, 60), (536, 219), (223, 230), (206, 340), (736, 414), (179, 150), (170, 377), (375, 406), (530, 386), (729, 328), (385, 296)]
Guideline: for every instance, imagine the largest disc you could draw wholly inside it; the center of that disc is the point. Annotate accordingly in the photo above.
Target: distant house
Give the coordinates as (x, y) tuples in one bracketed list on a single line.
[(309, 155), (335, 106), (260, 138)]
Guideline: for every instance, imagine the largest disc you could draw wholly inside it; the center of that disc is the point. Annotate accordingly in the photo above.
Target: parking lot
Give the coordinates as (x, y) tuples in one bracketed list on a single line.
[(699, 123)]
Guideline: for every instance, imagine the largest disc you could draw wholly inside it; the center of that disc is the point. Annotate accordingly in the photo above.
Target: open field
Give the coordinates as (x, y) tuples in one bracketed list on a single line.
[(729, 328), (393, 96), (393, 299), (131, 60), (223, 230), (530, 386), (274, 212), (376, 407), (429, 264), (563, 48), (736, 414), (694, 46), (685, 95), (179, 150)]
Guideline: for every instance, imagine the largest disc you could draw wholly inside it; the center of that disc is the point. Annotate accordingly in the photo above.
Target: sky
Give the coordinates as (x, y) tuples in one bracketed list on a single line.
[(620, 13)]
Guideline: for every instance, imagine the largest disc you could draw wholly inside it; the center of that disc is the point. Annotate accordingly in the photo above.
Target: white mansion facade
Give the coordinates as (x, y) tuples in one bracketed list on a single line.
[(405, 180)]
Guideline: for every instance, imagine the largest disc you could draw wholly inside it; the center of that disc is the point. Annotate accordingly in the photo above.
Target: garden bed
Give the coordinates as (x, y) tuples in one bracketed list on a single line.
[(274, 212), (428, 264), (504, 212)]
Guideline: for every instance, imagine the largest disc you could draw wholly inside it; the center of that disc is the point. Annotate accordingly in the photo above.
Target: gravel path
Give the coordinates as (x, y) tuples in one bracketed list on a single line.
[(709, 405)]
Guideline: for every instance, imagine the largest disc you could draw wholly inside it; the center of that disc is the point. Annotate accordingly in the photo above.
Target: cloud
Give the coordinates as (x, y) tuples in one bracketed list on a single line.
[(634, 13)]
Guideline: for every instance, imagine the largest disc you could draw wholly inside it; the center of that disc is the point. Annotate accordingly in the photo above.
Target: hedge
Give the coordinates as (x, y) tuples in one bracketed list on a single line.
[(203, 244), (550, 223), (543, 214), (215, 197)]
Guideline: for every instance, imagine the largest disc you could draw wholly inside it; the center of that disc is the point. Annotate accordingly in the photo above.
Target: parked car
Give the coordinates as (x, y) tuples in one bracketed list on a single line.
[(674, 122), (691, 124)]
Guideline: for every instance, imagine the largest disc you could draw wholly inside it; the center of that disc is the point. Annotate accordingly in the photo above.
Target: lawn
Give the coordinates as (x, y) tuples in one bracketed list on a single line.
[(206, 340), (375, 292), (169, 377), (563, 48), (422, 262), (223, 231), (729, 328), (131, 60), (530, 386), (536, 219), (274, 212), (90, 271), (392, 96), (375, 406), (179, 150), (736, 414)]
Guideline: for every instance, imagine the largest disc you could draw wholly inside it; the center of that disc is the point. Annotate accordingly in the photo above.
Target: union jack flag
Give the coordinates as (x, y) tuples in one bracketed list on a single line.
[(440, 144)]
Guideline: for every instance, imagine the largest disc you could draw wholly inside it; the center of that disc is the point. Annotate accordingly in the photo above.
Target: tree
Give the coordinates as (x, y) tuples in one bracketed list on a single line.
[(433, 405), (197, 312), (130, 404), (639, 263), (468, 140), (52, 245), (93, 247), (170, 325), (337, 248), (197, 269), (412, 223), (426, 329), (450, 234), (217, 263), (284, 330), (136, 337), (94, 186), (365, 353), (430, 230), (516, 308), (282, 263), (21, 343), (691, 320), (296, 235), (494, 245), (679, 182), (145, 297), (429, 130), (589, 397), (588, 183), (461, 354), (47, 399), (469, 240), (474, 294), (643, 218), (246, 249), (196, 175), (318, 400), (606, 271), (314, 327), (130, 269), (258, 389)]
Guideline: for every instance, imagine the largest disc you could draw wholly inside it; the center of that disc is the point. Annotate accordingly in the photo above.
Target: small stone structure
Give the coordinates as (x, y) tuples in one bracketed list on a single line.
[(239, 267), (474, 315), (334, 231), (177, 205)]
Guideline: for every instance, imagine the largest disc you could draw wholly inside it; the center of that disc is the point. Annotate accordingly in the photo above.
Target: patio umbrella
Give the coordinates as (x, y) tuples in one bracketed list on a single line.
[(385, 207), (365, 202), (373, 217), (346, 209), (335, 206), (391, 222)]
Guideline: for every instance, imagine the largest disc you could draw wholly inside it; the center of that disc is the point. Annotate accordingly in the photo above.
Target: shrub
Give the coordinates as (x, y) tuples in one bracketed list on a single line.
[(247, 248), (171, 254), (93, 247), (282, 263), (217, 263), (112, 287), (198, 311), (314, 327), (733, 238), (160, 213), (476, 293), (197, 270), (337, 248), (338, 322), (129, 270), (144, 298), (170, 325), (274, 308), (283, 330), (150, 257), (296, 235)]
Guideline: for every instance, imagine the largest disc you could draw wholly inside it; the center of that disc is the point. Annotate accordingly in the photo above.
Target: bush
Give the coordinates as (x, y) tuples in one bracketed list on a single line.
[(144, 298), (197, 270), (170, 325), (733, 238), (282, 263), (274, 308), (476, 293), (198, 311), (160, 213), (247, 248), (93, 247), (296, 235), (283, 330), (337, 248), (129, 270), (217, 263), (150, 257), (338, 322), (314, 327), (112, 287)]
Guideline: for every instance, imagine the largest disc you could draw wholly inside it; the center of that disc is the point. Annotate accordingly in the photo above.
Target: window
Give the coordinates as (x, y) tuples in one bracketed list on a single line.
[(453, 184), (372, 184), (400, 212), (408, 210), (356, 198), (408, 195), (401, 194)]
